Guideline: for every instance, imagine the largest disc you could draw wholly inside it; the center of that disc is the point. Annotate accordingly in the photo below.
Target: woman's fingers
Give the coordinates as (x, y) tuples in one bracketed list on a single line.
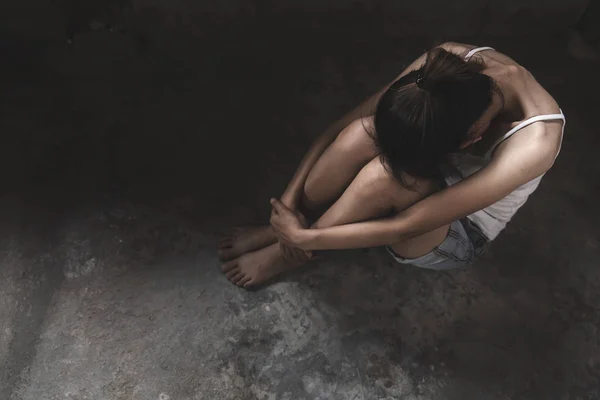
[(295, 254), (279, 207), (276, 205), (286, 251), (274, 221), (290, 254), (299, 256)]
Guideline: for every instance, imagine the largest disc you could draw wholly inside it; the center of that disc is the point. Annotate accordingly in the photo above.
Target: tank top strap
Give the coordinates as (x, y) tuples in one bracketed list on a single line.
[(527, 122), (475, 51)]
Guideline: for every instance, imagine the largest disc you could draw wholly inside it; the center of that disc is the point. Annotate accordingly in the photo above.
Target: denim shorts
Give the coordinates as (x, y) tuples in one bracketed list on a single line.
[(463, 245)]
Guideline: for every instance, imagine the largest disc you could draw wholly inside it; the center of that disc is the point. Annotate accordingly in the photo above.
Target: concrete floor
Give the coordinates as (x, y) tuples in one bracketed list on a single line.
[(121, 158)]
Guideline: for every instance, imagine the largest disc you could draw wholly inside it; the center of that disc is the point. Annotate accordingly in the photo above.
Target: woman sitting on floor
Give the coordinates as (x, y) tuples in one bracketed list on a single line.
[(433, 167)]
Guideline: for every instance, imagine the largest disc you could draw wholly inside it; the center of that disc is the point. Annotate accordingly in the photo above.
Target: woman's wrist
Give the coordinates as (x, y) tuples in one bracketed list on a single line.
[(306, 238)]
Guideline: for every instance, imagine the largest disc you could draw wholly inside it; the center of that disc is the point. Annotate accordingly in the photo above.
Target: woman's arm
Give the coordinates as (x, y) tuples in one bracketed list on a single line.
[(512, 166)]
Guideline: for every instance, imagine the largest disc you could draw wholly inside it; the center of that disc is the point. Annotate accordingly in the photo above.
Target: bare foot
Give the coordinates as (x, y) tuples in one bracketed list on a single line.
[(254, 268), (243, 240)]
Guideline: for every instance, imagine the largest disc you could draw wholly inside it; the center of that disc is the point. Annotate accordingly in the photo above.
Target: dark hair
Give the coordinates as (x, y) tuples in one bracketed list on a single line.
[(425, 116)]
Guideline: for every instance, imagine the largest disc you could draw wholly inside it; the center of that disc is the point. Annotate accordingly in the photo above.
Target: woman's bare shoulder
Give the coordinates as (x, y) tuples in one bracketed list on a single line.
[(460, 49), (456, 48), (491, 57)]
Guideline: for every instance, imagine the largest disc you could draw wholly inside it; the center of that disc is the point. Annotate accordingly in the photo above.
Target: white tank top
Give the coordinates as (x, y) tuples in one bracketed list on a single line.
[(493, 219)]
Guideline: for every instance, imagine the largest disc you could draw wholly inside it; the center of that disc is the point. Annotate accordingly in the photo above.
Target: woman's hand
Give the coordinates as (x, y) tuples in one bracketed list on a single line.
[(289, 226), (295, 254)]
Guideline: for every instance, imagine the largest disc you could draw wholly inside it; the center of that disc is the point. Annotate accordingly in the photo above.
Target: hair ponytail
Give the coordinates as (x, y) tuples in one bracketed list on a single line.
[(426, 115)]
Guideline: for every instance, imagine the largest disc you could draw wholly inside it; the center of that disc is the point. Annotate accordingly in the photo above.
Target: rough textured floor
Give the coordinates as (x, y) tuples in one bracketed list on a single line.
[(122, 158)]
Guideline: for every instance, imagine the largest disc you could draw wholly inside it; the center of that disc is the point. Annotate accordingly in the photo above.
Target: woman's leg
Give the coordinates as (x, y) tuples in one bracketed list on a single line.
[(332, 173), (372, 194)]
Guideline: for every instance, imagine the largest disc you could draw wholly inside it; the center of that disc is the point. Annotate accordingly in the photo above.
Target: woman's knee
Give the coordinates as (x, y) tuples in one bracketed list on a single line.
[(348, 153), (376, 179), (356, 139)]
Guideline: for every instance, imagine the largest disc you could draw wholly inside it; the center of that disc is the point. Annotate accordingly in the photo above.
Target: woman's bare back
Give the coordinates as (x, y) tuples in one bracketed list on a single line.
[(524, 97)]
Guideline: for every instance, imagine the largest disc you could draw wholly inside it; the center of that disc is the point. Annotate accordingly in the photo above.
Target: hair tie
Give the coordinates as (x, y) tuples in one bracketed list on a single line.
[(419, 80)]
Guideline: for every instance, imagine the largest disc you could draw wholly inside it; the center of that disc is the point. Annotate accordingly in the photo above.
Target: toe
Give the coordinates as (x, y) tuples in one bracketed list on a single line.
[(246, 282), (230, 274), (240, 281), (228, 266), (238, 278)]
